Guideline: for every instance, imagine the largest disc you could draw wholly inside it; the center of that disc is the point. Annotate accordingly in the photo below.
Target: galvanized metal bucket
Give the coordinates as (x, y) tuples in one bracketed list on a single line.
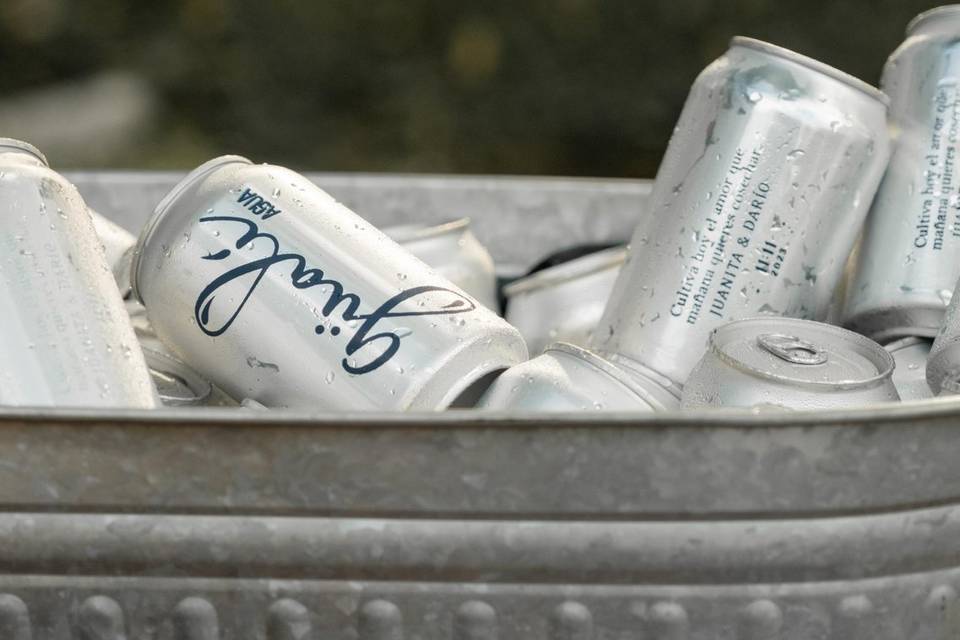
[(207, 523)]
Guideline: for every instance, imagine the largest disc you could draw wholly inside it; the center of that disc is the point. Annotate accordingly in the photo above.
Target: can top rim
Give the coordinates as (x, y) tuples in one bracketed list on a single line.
[(26, 147), (160, 211), (566, 271), (810, 63), (866, 347), (906, 343), (631, 379), (412, 232), (162, 363), (937, 13)]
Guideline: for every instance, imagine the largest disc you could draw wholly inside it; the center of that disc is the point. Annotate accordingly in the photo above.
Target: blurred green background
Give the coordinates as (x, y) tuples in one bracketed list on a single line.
[(564, 87)]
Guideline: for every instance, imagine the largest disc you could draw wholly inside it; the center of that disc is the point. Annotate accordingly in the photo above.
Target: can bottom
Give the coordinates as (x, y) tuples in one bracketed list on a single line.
[(891, 323)]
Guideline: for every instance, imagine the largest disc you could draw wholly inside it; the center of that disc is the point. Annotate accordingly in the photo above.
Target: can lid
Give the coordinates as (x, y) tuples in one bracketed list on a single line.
[(20, 145), (164, 205), (177, 384), (802, 352), (810, 63), (402, 233), (946, 12), (566, 271)]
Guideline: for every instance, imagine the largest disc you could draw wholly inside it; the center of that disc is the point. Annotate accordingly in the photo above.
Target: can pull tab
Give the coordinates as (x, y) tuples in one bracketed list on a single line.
[(792, 349)]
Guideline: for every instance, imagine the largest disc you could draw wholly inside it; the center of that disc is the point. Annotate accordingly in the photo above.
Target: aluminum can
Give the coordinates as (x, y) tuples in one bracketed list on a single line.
[(910, 374), (943, 363), (563, 303), (177, 384), (570, 378), (118, 245), (910, 256), (115, 240), (273, 291), (455, 253), (66, 339), (789, 363), (756, 206)]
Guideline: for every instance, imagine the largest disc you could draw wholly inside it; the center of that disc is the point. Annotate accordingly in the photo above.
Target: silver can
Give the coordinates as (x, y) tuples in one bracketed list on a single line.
[(272, 290), (943, 363), (563, 303), (115, 240), (66, 339), (756, 206), (910, 374), (455, 253), (910, 256), (177, 384), (569, 378), (789, 363), (118, 245)]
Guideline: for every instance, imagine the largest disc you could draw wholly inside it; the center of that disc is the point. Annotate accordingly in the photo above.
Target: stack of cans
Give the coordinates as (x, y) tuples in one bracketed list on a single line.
[(792, 198)]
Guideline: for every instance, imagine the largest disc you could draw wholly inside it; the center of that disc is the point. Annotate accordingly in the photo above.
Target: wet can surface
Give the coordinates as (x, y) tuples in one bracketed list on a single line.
[(943, 363), (273, 291), (910, 375), (910, 256), (116, 240), (455, 253), (790, 363), (566, 377), (756, 206), (118, 245), (563, 303), (66, 339)]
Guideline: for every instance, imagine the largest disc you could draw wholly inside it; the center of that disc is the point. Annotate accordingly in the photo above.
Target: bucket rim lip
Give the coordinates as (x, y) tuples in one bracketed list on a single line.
[(812, 64), (162, 209)]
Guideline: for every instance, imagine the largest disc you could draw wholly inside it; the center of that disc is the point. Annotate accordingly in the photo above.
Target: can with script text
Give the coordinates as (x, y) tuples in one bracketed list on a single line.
[(756, 206), (910, 256), (65, 338), (274, 291)]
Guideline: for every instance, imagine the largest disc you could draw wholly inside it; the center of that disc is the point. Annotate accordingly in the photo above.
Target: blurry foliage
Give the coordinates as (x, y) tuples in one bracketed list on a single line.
[(575, 87)]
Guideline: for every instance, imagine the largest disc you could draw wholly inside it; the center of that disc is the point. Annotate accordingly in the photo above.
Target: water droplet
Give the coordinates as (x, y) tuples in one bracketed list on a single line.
[(276, 193), (329, 377), (754, 97), (796, 154)]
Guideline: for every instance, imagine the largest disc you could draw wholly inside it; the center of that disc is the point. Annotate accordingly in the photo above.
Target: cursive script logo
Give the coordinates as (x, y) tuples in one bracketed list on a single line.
[(384, 344)]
